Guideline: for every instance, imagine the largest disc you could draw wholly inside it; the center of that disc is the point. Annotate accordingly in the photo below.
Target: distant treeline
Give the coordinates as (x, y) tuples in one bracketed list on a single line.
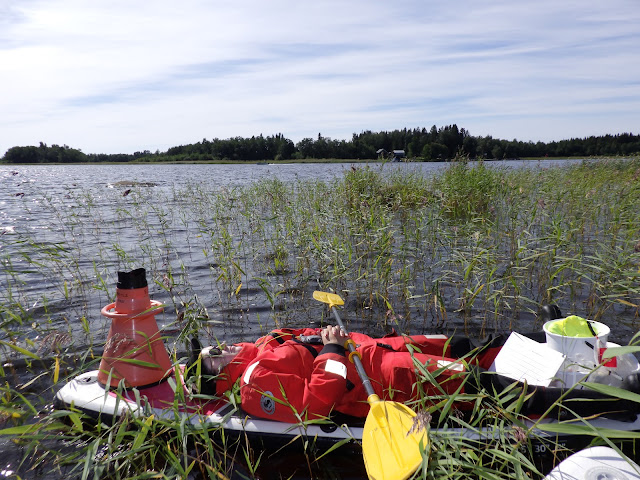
[(419, 144)]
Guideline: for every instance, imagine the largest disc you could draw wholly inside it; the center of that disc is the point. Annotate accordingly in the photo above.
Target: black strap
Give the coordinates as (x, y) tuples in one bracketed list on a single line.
[(278, 337), (312, 350)]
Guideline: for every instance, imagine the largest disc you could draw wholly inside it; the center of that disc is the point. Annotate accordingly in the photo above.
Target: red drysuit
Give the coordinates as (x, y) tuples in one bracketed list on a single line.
[(289, 377)]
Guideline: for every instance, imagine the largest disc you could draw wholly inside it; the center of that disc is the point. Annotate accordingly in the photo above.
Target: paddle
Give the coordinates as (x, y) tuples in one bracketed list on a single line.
[(391, 446)]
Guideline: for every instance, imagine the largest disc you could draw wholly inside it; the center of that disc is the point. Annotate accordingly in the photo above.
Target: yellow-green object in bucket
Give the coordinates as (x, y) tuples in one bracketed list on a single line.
[(579, 339), (572, 326)]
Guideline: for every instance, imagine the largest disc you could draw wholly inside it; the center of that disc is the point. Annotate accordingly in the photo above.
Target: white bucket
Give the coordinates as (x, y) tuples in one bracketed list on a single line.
[(578, 349), (570, 375)]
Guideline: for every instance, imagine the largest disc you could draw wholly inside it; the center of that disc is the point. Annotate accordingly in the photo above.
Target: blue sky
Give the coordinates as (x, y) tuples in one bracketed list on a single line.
[(123, 76)]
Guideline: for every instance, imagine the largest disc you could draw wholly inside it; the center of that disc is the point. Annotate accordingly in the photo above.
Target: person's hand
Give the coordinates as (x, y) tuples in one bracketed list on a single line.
[(334, 334)]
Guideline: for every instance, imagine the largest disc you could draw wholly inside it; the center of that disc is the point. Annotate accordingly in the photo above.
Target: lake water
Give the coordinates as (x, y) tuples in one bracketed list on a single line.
[(55, 178), (69, 213), (47, 207)]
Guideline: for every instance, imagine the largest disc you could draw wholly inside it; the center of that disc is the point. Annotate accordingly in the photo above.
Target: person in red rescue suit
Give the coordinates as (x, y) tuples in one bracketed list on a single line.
[(302, 374)]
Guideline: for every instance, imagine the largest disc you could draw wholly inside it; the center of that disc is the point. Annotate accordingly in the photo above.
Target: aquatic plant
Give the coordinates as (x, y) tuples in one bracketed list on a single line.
[(472, 249)]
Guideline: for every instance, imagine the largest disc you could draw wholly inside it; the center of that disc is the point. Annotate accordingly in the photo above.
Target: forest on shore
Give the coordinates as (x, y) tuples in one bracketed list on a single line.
[(418, 144)]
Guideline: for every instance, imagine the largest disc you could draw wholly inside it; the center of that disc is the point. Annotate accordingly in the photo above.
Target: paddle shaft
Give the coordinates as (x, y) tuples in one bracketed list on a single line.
[(391, 445), (356, 359)]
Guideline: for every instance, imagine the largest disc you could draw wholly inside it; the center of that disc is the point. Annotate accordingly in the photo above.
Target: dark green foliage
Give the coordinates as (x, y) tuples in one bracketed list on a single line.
[(44, 154), (419, 144)]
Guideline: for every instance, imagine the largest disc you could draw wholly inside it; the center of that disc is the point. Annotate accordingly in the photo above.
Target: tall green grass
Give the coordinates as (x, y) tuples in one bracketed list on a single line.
[(473, 249)]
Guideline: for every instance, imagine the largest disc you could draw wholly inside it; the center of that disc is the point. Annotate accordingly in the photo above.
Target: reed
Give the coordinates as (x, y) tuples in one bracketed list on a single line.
[(473, 249)]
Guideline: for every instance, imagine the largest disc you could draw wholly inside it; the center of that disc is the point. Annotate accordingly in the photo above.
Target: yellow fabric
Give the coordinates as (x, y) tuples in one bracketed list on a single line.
[(572, 326)]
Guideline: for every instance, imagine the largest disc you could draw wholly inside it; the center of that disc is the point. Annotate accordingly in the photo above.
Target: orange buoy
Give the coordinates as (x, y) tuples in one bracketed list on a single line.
[(134, 351)]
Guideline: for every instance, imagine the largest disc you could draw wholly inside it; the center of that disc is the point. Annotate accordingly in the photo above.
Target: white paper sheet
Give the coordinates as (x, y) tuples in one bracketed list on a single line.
[(524, 359)]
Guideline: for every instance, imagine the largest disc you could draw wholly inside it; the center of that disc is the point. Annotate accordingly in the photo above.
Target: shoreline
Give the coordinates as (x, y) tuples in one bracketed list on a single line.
[(263, 163)]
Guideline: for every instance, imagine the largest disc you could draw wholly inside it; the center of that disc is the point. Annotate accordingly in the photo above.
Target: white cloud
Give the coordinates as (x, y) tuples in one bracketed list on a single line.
[(122, 76)]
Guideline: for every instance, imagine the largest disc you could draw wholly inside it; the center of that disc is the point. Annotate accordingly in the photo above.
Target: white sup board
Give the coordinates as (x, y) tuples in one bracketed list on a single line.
[(85, 393), (595, 463)]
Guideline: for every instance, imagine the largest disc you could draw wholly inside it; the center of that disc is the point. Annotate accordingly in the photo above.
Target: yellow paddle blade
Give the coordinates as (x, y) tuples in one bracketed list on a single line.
[(391, 446), (331, 298)]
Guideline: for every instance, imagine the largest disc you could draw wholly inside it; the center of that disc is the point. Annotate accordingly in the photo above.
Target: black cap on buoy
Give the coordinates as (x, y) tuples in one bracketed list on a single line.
[(134, 279)]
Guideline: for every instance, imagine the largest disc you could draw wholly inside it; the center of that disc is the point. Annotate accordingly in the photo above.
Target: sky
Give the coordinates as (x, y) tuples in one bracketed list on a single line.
[(122, 76)]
